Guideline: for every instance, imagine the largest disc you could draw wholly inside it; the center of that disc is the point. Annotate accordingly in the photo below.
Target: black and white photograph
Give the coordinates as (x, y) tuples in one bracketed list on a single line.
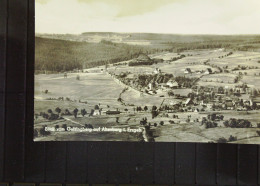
[(147, 70)]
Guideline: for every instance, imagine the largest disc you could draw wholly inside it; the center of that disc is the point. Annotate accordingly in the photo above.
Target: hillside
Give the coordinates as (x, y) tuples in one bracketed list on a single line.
[(62, 55), (155, 38), (60, 52)]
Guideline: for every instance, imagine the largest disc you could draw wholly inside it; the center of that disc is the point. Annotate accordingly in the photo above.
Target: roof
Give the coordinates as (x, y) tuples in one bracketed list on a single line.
[(229, 104), (256, 100), (172, 83), (143, 57), (189, 100), (209, 69), (175, 102), (188, 69), (245, 96)]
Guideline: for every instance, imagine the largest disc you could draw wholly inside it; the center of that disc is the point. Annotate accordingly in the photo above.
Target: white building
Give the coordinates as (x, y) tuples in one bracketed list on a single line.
[(172, 84)]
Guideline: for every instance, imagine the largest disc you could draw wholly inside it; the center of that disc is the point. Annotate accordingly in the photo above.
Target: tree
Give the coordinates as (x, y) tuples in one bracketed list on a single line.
[(83, 112), (154, 112), (75, 112), (58, 110), (145, 108)]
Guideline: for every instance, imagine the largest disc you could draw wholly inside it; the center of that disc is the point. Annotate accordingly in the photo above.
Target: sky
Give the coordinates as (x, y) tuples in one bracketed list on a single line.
[(148, 16)]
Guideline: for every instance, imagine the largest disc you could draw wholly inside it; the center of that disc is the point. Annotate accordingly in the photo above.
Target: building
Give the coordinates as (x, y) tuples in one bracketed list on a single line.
[(208, 71), (150, 86), (172, 84), (188, 102), (229, 105), (157, 71), (143, 58), (256, 102), (187, 71), (175, 102), (97, 110)]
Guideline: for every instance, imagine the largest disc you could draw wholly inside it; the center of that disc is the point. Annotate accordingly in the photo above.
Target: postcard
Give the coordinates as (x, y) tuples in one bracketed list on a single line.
[(147, 70)]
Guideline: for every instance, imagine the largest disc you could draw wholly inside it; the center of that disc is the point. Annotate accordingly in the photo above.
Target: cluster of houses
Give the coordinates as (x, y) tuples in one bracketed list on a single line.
[(213, 98), (171, 84)]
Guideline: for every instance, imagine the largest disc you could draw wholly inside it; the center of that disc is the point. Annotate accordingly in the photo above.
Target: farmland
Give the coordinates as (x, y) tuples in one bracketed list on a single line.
[(190, 96)]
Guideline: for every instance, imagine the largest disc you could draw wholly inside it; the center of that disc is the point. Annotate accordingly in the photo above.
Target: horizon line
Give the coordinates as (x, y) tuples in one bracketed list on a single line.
[(236, 34)]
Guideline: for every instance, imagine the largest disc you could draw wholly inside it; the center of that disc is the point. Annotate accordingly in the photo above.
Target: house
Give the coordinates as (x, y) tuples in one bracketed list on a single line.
[(143, 58), (187, 71), (157, 71), (208, 71), (172, 84), (175, 102), (97, 110), (229, 105), (150, 86), (209, 105), (163, 85), (188, 102), (246, 98), (256, 102)]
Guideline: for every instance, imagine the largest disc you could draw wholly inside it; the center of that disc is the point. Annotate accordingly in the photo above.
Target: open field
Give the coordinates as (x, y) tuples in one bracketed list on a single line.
[(238, 58)]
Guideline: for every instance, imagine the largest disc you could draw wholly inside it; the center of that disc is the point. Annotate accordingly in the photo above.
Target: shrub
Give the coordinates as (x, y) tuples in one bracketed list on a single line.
[(237, 123), (161, 123), (58, 110), (83, 112), (43, 132), (67, 112), (232, 138), (210, 124), (222, 140), (49, 111), (53, 116)]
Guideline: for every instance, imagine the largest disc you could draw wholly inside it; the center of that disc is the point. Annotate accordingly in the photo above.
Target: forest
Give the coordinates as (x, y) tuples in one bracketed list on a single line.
[(60, 55)]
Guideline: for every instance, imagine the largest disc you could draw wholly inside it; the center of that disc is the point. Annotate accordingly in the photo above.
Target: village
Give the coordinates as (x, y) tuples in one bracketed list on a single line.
[(239, 97), (162, 93)]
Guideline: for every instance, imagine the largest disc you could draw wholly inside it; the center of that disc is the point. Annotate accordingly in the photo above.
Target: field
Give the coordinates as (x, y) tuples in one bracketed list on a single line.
[(97, 88)]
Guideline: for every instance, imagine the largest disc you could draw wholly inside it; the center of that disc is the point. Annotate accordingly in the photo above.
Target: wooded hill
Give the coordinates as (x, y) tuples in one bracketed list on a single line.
[(60, 55), (67, 52)]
